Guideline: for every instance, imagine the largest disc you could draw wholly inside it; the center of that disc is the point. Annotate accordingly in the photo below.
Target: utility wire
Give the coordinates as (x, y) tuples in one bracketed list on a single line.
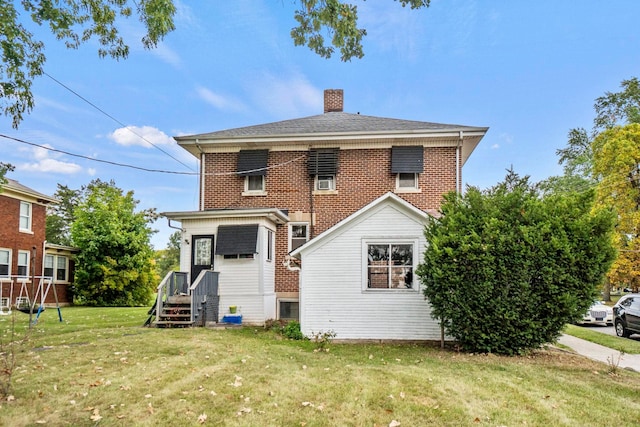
[(124, 165), (94, 159), (115, 120)]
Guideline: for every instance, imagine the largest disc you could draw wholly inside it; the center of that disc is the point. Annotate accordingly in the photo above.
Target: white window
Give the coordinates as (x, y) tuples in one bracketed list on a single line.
[(270, 235), (298, 235), (5, 262), (62, 268), (254, 183), (390, 265), (48, 265), (25, 216), (23, 263), (407, 181), (325, 182)]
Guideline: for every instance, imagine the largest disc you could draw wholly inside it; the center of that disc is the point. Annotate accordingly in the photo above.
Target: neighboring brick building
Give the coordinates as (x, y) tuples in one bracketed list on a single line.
[(23, 247), (317, 171)]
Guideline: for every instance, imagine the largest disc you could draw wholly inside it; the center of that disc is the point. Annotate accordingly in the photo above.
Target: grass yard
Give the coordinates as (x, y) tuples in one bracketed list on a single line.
[(100, 367), (625, 345)]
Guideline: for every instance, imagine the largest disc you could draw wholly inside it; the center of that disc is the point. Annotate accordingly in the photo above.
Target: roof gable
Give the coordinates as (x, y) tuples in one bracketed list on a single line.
[(388, 199), (16, 190)]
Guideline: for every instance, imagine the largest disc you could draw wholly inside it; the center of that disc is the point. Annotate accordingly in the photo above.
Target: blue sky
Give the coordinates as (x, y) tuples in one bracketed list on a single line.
[(530, 71)]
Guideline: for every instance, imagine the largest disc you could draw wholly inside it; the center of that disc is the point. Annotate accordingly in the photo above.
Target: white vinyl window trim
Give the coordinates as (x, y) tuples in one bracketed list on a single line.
[(298, 235), (25, 216), (23, 263), (391, 268), (5, 262)]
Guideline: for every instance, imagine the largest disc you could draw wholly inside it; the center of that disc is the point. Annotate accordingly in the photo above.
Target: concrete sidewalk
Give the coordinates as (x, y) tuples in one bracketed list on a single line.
[(601, 353)]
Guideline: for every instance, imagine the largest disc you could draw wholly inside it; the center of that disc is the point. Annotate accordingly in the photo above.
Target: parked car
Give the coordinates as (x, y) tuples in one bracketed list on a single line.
[(626, 314), (599, 312)]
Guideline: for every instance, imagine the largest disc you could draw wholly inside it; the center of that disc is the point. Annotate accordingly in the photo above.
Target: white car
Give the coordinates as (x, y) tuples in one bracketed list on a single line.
[(599, 312)]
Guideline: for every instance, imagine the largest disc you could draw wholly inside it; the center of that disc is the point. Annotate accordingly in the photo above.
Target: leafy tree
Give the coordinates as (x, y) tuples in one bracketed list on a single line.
[(115, 262), (339, 21), (612, 109), (168, 259), (78, 21), (616, 159), (74, 22), (60, 216), (505, 269), (4, 168)]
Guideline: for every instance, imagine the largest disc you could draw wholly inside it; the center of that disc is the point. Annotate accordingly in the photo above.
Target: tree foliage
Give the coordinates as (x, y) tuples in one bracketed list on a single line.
[(4, 168), (612, 109), (505, 269), (60, 216), (168, 259), (115, 262), (74, 22), (616, 164), (323, 26), (337, 20)]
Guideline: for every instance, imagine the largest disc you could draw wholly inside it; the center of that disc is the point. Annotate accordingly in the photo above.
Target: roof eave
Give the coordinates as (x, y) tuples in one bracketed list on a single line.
[(274, 214)]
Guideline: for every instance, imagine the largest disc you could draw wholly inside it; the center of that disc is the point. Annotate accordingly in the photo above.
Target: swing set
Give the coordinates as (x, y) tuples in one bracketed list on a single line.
[(26, 303)]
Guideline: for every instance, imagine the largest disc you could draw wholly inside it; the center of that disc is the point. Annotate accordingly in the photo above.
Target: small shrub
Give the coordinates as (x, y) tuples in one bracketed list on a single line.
[(10, 344), (323, 339), (292, 331)]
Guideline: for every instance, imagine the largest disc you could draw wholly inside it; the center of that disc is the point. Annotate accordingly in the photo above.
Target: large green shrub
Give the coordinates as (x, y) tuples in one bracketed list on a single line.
[(505, 269)]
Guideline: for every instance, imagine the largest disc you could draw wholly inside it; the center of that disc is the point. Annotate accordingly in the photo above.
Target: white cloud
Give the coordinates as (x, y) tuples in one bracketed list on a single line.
[(144, 136), (167, 54), (287, 96), (47, 161), (219, 101), (495, 146)]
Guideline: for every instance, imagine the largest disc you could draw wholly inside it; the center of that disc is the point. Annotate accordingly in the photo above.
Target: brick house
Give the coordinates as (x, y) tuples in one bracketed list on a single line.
[(268, 189), (24, 253)]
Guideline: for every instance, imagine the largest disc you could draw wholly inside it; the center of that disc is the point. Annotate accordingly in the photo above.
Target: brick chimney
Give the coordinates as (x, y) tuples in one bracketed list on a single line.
[(333, 100)]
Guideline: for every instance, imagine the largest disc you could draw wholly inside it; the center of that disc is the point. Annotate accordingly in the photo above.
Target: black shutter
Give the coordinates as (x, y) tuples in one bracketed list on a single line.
[(407, 159), (237, 239), (252, 162), (323, 161)]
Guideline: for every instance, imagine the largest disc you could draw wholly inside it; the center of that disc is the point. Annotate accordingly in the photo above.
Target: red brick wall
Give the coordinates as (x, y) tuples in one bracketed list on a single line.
[(12, 238), (363, 176)]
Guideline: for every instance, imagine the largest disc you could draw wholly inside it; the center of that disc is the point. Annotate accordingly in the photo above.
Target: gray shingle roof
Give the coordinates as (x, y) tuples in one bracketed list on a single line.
[(19, 188), (333, 122)]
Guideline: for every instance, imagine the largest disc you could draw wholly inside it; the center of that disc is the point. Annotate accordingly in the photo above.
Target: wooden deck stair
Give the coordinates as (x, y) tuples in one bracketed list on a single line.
[(176, 313)]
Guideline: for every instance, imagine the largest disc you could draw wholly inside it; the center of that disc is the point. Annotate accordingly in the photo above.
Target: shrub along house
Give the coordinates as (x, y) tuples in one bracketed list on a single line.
[(25, 257), (267, 190)]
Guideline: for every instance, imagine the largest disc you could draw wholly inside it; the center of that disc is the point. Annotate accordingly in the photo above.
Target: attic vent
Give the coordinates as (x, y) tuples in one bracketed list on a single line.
[(323, 161), (407, 159), (333, 100)]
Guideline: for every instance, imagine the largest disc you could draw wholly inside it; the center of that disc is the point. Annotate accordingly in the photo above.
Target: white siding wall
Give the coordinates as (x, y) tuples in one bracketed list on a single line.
[(333, 295), (248, 284)]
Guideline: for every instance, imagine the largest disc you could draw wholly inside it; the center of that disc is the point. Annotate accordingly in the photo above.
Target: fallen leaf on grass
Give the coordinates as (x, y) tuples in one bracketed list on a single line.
[(41, 421), (202, 418), (96, 415), (394, 423), (243, 411), (150, 408)]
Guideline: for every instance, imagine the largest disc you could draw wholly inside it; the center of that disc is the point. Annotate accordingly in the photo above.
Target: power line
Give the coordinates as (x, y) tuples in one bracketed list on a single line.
[(124, 165), (114, 119)]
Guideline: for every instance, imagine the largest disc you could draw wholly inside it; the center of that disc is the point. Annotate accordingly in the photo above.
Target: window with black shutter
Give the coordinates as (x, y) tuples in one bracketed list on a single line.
[(407, 159), (237, 240), (252, 162), (323, 161)]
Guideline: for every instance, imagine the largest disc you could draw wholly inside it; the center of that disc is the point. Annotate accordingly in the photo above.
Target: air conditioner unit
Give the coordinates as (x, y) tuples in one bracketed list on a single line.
[(324, 184)]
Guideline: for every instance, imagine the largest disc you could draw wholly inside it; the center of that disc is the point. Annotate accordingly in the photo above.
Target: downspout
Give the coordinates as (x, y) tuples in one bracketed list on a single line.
[(458, 178), (202, 173), (44, 254), (173, 226)]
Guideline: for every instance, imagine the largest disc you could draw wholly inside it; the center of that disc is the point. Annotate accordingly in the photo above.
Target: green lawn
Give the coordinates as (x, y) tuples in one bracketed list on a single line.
[(100, 367), (626, 345)]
